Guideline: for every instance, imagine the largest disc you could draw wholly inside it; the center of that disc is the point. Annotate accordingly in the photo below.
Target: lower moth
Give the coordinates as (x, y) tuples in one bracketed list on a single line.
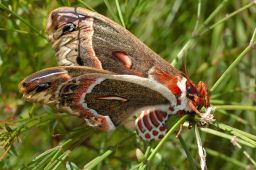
[(106, 75)]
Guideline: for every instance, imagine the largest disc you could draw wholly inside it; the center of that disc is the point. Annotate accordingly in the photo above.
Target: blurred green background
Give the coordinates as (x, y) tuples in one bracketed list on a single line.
[(211, 34)]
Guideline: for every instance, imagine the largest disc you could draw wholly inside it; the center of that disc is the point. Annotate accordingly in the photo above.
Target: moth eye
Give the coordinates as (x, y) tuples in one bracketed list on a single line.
[(191, 92), (189, 89), (42, 87), (70, 27)]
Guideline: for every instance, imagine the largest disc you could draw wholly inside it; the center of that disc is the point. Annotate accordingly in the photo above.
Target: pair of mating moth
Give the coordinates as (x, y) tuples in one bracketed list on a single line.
[(106, 74)]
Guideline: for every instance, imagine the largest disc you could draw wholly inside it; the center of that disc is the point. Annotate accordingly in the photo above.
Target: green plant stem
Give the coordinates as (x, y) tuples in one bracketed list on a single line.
[(235, 143), (58, 161), (228, 16), (39, 164), (97, 160), (111, 11), (86, 5), (199, 5), (196, 33), (226, 158), (53, 159), (237, 60), (22, 20), (214, 13), (227, 136), (120, 13), (15, 30), (236, 107), (160, 144), (174, 127), (183, 51), (234, 131), (189, 156)]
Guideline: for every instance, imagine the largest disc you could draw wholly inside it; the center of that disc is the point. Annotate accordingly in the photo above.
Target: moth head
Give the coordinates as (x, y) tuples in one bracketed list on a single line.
[(41, 86), (198, 94)]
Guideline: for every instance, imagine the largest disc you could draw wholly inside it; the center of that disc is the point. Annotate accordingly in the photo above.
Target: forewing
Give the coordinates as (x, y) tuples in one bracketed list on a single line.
[(83, 37)]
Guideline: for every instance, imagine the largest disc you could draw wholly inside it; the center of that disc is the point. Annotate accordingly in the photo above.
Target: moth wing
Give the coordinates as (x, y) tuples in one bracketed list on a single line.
[(95, 94), (83, 37), (113, 96), (151, 124)]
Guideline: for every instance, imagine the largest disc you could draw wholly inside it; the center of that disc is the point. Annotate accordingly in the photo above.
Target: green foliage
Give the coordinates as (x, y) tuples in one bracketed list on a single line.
[(217, 39)]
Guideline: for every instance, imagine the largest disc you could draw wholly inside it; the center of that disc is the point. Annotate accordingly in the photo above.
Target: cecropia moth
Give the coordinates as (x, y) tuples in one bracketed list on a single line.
[(106, 74)]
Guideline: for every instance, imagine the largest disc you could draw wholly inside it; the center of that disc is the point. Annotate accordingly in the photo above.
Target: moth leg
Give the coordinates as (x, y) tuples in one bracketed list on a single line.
[(193, 107), (150, 125)]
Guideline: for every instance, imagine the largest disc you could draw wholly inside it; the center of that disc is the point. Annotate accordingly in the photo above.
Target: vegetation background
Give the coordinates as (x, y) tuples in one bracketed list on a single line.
[(217, 38)]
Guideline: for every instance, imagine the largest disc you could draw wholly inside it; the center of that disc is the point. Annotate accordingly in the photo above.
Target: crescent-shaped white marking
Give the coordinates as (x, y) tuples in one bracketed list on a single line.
[(151, 84)]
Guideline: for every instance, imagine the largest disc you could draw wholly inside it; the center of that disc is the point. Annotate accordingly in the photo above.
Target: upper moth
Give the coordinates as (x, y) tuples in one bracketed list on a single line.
[(107, 74)]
